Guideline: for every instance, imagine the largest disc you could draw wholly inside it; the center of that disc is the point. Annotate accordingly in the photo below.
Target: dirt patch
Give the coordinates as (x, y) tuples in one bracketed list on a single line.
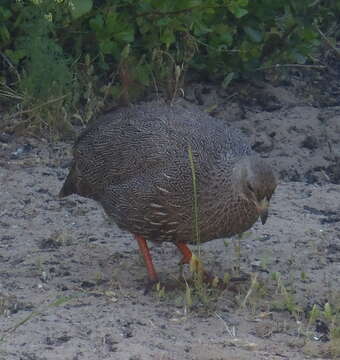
[(71, 283)]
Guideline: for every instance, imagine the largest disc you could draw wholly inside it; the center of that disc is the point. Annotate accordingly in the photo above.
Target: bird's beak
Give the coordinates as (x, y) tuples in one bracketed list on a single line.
[(263, 210)]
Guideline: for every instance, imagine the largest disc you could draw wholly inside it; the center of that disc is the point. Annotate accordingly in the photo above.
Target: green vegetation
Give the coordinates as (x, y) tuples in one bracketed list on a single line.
[(329, 315), (63, 60)]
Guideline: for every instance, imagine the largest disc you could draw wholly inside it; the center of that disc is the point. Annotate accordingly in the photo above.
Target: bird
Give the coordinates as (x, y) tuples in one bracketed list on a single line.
[(161, 170)]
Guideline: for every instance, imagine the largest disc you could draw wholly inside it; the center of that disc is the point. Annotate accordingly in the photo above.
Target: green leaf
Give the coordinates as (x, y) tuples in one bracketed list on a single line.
[(227, 80), (116, 91), (108, 47), (240, 12), (200, 28), (254, 35), (125, 36), (225, 33), (112, 23), (97, 23), (80, 8), (168, 37), (4, 33), (237, 8), (126, 51), (4, 13), (143, 74), (164, 21), (299, 58), (16, 55)]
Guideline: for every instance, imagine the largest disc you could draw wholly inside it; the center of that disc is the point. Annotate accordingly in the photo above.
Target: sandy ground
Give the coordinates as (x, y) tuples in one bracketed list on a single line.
[(71, 283)]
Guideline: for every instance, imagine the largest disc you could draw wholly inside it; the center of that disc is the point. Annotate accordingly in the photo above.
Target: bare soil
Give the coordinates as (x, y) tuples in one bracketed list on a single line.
[(72, 284)]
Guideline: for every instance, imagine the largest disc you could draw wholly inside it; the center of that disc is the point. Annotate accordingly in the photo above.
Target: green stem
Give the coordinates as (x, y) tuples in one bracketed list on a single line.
[(194, 189)]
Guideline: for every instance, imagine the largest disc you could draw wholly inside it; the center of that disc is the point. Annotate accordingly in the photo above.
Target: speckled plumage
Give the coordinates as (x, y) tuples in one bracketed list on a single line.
[(135, 163)]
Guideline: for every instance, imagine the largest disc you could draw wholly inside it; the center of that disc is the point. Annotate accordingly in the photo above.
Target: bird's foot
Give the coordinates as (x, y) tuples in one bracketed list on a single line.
[(150, 285)]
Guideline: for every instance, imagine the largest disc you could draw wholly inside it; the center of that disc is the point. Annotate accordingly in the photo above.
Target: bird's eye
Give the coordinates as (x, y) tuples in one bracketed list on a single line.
[(250, 188)]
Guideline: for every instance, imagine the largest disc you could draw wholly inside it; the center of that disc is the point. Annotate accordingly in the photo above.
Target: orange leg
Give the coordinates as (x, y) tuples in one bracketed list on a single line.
[(186, 252), (186, 259), (144, 249)]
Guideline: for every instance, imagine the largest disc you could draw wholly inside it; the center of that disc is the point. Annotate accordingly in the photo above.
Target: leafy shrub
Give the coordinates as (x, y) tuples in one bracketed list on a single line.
[(88, 53)]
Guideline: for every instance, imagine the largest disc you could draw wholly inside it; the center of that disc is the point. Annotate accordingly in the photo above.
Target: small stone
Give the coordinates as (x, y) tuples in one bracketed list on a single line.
[(310, 142), (263, 143)]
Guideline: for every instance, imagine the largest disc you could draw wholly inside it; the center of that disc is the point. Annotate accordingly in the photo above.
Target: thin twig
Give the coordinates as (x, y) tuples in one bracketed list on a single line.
[(38, 106), (177, 12), (10, 65), (252, 286), (231, 331), (328, 42), (10, 94), (216, 49), (277, 66), (195, 204), (58, 302)]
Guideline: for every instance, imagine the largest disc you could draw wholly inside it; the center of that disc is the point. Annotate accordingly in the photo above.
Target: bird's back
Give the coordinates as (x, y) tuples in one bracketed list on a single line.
[(135, 162)]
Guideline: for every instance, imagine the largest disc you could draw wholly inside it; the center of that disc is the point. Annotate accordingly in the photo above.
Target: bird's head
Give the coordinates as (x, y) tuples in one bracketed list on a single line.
[(255, 182)]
